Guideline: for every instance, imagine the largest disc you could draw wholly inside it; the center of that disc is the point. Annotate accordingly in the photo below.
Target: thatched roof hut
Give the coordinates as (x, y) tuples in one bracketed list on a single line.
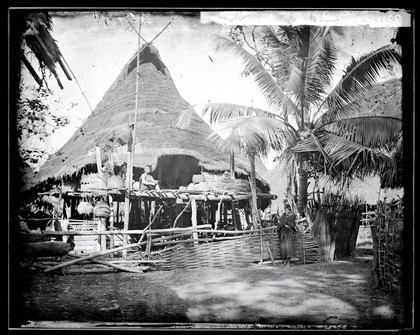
[(175, 154)]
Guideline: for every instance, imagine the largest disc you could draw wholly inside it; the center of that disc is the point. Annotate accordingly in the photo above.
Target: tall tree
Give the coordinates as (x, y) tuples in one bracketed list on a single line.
[(311, 116)]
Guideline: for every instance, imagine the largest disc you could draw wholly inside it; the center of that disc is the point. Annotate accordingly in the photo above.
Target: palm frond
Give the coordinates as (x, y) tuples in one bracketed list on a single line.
[(258, 133), (371, 131), (219, 113), (390, 97), (353, 159), (310, 77), (185, 118), (321, 61), (280, 52), (269, 88), (344, 158), (361, 74), (305, 145)]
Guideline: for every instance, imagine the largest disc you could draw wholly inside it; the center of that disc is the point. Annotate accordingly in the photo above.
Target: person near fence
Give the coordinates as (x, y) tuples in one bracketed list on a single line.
[(285, 228)]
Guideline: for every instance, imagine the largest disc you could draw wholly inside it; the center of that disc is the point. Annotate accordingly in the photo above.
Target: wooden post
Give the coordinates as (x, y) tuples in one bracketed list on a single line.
[(232, 162), (111, 222), (234, 216), (333, 238), (261, 244), (147, 211), (225, 214), (220, 213), (127, 203), (99, 162), (102, 227), (303, 247), (254, 206), (130, 150), (270, 253), (194, 218)]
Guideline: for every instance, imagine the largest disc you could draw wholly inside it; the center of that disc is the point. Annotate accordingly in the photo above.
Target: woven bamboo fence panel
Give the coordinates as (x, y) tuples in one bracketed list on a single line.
[(307, 250), (240, 252), (387, 244)]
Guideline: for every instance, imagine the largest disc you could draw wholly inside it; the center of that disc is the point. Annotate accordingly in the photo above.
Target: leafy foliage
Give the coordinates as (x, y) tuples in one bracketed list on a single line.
[(35, 120)]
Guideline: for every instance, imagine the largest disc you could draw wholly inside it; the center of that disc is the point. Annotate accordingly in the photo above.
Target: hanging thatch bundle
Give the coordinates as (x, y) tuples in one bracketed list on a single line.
[(336, 224), (102, 210), (85, 208)]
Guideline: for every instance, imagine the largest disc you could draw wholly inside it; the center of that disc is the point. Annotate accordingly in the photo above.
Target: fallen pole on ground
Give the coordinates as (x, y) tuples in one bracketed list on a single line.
[(116, 266)]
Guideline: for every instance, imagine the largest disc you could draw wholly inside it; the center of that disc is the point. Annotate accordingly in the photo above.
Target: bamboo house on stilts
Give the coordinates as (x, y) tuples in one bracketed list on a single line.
[(199, 200)]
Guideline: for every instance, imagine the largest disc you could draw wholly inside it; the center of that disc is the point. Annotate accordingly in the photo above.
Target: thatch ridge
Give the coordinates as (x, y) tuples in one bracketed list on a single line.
[(160, 105)]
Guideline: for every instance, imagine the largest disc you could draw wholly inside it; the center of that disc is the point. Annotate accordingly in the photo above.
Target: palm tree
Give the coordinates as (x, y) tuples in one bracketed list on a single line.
[(310, 117)]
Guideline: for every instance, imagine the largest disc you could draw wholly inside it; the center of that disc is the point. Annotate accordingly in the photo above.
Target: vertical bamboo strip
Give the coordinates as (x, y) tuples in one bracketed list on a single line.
[(194, 218), (103, 237), (111, 223)]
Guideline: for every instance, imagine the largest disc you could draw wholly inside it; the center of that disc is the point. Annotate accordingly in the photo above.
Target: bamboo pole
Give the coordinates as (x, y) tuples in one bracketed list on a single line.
[(261, 244), (218, 214), (99, 270), (111, 222), (85, 258), (174, 194), (256, 220), (200, 240), (232, 162), (130, 153), (116, 266), (145, 261), (99, 162), (103, 237), (131, 232), (269, 253), (171, 237), (182, 212), (127, 200), (303, 247)]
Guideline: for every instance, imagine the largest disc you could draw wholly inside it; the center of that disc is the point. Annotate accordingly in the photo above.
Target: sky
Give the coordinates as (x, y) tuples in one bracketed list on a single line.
[(96, 50)]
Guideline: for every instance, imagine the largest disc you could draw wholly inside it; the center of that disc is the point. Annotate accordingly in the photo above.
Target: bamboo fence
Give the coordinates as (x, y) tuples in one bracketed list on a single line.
[(387, 244), (190, 247)]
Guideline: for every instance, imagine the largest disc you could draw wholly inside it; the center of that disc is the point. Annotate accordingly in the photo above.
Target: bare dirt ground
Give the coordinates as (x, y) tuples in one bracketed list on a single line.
[(337, 294)]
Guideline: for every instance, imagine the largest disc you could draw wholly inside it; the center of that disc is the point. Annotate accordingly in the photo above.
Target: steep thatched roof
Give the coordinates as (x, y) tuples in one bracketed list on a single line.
[(160, 105)]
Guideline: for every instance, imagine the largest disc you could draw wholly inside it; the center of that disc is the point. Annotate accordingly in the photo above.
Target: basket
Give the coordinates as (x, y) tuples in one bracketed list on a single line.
[(85, 208), (102, 210)]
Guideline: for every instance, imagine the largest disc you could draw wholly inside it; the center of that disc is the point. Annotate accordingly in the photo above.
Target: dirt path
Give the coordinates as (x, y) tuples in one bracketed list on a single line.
[(323, 294)]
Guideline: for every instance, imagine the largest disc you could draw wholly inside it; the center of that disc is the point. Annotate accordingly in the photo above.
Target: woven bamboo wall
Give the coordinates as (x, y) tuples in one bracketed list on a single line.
[(387, 244), (306, 248), (229, 253), (239, 252)]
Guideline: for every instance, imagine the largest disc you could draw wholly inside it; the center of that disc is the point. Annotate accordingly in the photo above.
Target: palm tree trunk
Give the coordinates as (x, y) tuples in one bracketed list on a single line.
[(254, 206), (303, 188)]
